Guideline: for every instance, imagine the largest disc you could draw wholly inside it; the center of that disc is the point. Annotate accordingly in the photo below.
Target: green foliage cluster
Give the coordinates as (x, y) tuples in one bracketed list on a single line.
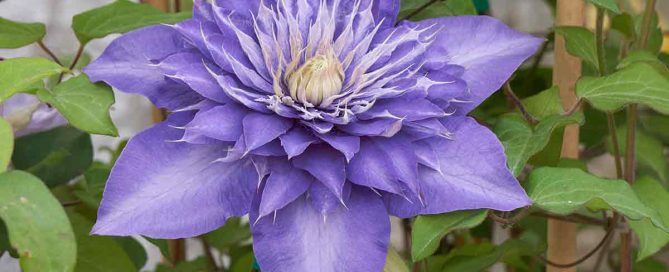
[(50, 186)]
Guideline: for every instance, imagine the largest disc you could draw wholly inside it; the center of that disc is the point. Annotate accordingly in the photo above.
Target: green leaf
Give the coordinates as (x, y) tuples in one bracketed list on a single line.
[(15, 34), (93, 185), (197, 265), (97, 253), (544, 104), (243, 263), (609, 5), (478, 257), (637, 83), (394, 262), (428, 230), (56, 156), (37, 225), (134, 250), (624, 23), (84, 104), (521, 141), (580, 43), (649, 265), (437, 9), (650, 152), (657, 125), (119, 17), (644, 57), (651, 238), (21, 74), (6, 144), (566, 190), (232, 233)]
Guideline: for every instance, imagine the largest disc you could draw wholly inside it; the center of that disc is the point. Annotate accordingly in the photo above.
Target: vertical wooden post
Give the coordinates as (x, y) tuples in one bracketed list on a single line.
[(567, 70), (177, 248)]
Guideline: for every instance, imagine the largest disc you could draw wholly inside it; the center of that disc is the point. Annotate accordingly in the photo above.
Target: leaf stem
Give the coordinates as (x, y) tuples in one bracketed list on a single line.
[(419, 10), (630, 152), (77, 56), (211, 262), (46, 49), (516, 101), (609, 232), (603, 71)]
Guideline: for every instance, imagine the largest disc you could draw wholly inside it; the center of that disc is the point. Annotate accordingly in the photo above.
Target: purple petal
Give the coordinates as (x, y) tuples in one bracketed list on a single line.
[(347, 145), (189, 67), (221, 122), (296, 140), (472, 174), (22, 108), (129, 64), (384, 127), (285, 184), (164, 189), (302, 239), (260, 129), (410, 110), (488, 50), (386, 11), (385, 162), (324, 201), (326, 165)]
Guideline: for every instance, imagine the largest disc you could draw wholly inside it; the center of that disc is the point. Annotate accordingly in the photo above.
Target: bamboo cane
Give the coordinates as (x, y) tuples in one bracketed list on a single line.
[(562, 235)]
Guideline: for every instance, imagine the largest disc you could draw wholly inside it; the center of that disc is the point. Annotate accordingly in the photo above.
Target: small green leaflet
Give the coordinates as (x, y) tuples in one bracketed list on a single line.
[(624, 23), (437, 9), (580, 43), (97, 253), (56, 156), (521, 140), (84, 104), (609, 5), (15, 34), (544, 104), (650, 152), (37, 225), (6, 144), (21, 74), (119, 17), (651, 238), (428, 230), (637, 83), (566, 190), (394, 262)]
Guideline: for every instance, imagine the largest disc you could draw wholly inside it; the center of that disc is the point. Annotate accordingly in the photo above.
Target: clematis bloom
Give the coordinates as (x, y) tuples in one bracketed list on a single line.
[(319, 118), (28, 115)]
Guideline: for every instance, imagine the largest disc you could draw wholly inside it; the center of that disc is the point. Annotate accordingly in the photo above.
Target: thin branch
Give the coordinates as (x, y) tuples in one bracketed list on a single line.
[(509, 221), (516, 101), (574, 108), (80, 51), (71, 203), (49, 52), (575, 218), (211, 262), (602, 254), (609, 233), (419, 10)]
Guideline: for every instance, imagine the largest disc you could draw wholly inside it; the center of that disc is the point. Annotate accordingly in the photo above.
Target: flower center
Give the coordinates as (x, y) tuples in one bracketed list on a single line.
[(319, 78)]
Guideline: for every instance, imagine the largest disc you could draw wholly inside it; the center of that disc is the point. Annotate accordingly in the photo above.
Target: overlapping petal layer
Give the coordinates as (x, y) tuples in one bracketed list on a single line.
[(325, 166)]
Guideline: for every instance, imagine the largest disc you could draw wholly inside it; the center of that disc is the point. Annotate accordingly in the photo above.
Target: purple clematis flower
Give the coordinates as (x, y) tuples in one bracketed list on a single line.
[(319, 118), (28, 115)]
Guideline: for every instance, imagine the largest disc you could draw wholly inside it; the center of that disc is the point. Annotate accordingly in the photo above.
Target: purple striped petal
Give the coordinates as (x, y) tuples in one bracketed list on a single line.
[(296, 141), (156, 181), (472, 174), (489, 50), (301, 239), (285, 184), (129, 64), (260, 129), (326, 164), (221, 122)]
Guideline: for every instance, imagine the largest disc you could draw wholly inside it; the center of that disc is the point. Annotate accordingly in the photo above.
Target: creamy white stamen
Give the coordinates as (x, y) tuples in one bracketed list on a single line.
[(319, 78)]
